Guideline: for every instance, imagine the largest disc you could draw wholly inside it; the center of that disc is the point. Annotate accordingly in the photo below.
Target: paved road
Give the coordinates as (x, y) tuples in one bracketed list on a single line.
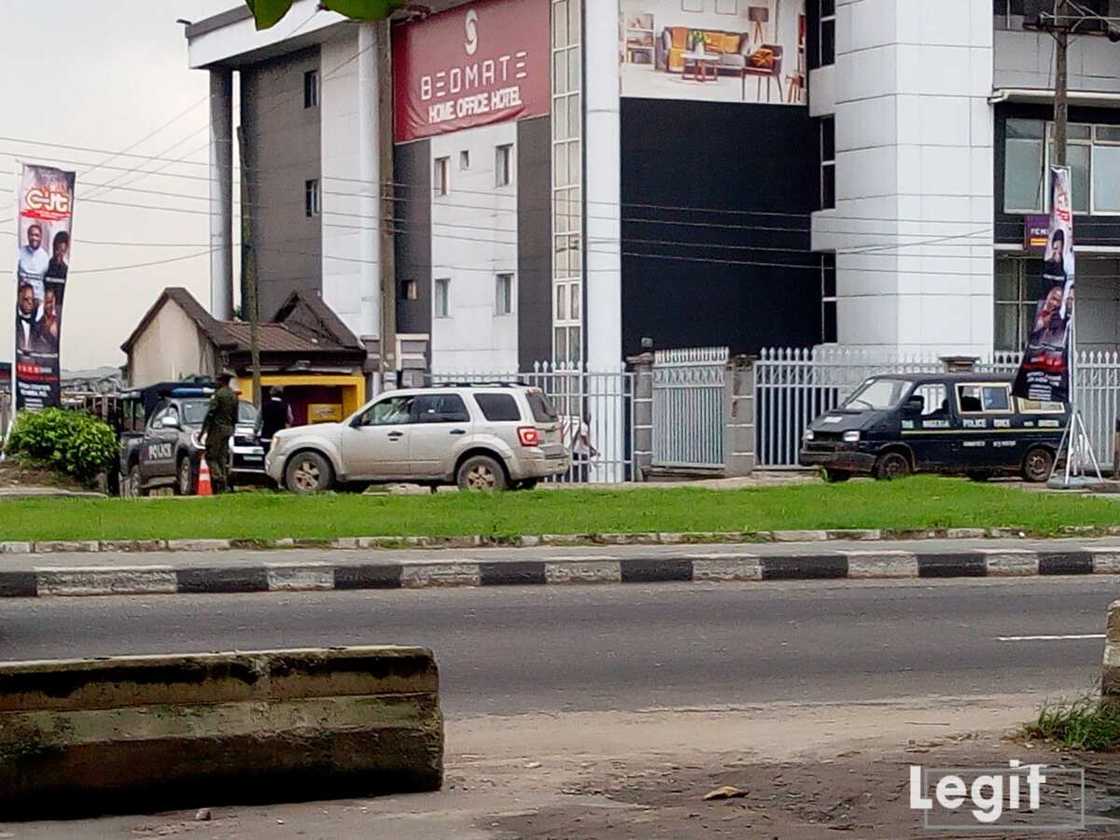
[(520, 650)]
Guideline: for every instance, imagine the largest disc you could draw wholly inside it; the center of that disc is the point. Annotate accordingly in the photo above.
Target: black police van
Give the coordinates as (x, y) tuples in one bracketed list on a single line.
[(950, 423)]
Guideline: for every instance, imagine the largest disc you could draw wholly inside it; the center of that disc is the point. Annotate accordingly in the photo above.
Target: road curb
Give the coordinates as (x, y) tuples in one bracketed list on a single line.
[(687, 567), (690, 538)]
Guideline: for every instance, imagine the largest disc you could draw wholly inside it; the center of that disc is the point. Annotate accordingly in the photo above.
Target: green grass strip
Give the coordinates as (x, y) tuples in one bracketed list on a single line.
[(918, 503)]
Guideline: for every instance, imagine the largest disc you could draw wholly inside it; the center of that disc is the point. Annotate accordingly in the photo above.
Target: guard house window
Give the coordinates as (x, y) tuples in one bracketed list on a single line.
[(464, 159), (503, 294), (311, 89), (410, 290), (311, 206), (442, 298), (441, 176), (827, 37), (828, 163), (503, 165), (828, 298)]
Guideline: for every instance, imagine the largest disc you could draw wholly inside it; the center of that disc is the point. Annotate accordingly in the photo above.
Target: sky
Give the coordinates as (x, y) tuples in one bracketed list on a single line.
[(103, 75)]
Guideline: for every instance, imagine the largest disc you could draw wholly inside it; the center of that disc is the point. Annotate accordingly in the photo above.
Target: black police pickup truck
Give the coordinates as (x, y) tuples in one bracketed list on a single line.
[(967, 424), (160, 444)]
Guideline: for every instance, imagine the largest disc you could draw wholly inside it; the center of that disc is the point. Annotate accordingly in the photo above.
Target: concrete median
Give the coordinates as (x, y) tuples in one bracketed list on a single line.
[(1110, 672), (146, 733)]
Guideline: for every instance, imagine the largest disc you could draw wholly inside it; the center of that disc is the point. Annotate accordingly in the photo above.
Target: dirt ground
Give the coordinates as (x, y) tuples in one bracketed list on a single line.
[(14, 475), (809, 772)]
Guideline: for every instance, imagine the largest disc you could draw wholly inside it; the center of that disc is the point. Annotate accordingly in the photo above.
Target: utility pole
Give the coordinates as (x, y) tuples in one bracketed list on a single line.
[(249, 306), (388, 274), (1061, 80)]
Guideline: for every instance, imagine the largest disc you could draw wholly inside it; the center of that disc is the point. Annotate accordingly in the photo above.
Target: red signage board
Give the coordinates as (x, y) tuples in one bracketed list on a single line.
[(477, 64)]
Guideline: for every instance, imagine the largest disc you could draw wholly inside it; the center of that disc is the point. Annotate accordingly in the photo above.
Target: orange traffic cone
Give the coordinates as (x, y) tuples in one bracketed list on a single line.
[(204, 486)]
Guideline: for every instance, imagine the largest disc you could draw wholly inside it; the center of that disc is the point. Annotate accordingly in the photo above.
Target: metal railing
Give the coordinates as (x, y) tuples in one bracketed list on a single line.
[(596, 415), (689, 407)]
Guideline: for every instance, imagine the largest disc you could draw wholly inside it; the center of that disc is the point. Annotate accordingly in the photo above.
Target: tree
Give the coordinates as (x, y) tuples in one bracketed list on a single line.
[(268, 13)]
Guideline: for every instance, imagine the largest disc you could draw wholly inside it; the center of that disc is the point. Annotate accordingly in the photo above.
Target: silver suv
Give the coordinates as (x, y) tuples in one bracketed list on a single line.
[(481, 437)]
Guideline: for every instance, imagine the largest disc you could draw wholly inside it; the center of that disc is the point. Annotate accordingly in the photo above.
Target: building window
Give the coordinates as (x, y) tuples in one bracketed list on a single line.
[(1022, 166), (567, 178), (464, 159), (503, 165), (828, 298), (828, 163), (1092, 153), (1019, 286), (442, 298), (827, 38), (410, 290), (441, 176), (311, 89), (311, 205), (503, 294)]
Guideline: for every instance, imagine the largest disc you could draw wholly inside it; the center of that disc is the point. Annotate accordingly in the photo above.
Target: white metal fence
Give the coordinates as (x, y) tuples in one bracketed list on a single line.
[(688, 407), (793, 386), (596, 415)]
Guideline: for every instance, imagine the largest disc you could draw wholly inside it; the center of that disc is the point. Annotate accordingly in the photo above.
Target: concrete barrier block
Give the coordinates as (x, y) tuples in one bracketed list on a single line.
[(91, 736), (66, 546), (300, 577), (107, 580), (1110, 673), (881, 565), (561, 571), (15, 548), (423, 575), (1010, 562), (198, 545), (717, 568)]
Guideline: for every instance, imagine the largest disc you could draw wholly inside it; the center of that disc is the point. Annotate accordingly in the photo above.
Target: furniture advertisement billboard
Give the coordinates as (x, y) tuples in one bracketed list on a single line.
[(751, 51)]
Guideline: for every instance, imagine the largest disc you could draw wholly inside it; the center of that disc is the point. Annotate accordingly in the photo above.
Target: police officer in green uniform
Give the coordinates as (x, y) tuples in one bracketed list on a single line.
[(218, 427)]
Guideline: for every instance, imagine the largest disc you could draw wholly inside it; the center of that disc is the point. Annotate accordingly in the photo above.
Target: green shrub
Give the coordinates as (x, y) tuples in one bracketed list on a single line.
[(71, 442), (1085, 723)]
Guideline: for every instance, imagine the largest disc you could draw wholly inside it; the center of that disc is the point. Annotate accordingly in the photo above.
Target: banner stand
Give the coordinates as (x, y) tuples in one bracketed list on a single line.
[(1076, 446)]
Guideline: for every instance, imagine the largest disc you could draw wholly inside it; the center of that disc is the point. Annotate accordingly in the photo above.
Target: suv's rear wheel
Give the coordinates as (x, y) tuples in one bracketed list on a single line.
[(308, 472), (481, 473)]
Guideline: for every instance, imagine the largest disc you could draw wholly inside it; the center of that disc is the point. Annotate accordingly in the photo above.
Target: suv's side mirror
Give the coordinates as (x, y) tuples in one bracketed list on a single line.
[(914, 407)]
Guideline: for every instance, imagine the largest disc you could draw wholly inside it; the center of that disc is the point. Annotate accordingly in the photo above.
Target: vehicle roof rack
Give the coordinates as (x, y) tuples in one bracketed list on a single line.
[(515, 384)]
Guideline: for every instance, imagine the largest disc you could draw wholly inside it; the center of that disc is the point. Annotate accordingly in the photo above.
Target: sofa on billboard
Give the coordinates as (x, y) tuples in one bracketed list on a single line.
[(729, 52)]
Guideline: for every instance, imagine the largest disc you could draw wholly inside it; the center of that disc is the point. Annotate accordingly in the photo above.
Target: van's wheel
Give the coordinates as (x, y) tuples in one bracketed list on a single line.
[(136, 484), (1038, 465), (308, 472), (836, 476), (893, 465), (481, 473), (184, 478)]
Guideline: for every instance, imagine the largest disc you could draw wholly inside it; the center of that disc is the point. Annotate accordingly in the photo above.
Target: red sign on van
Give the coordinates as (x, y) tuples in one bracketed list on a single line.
[(478, 64)]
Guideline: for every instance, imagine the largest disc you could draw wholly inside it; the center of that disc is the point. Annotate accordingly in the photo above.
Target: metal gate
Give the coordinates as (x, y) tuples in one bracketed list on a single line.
[(689, 398), (596, 416)]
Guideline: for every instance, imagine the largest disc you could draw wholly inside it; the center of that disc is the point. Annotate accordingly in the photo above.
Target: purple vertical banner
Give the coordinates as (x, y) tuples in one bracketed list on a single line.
[(45, 208), (1044, 372)]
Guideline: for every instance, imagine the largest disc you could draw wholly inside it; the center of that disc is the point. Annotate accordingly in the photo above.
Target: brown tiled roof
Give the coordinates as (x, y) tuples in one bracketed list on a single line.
[(275, 338)]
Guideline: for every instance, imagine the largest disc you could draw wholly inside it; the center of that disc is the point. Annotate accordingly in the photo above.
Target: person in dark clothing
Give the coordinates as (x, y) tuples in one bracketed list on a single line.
[(218, 427), (59, 265), (276, 414)]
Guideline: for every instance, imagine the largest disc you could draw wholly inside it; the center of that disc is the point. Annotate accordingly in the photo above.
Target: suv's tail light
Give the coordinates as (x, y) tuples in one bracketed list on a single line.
[(529, 436)]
